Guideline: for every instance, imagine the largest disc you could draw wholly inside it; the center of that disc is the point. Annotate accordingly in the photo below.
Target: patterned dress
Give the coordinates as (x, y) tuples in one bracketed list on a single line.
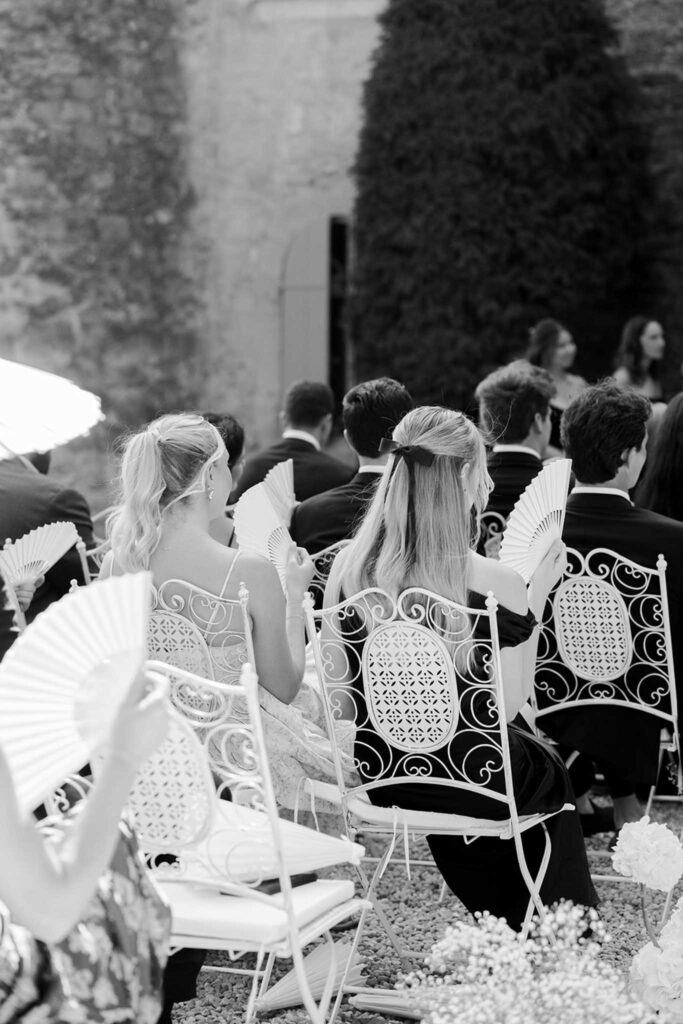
[(108, 969)]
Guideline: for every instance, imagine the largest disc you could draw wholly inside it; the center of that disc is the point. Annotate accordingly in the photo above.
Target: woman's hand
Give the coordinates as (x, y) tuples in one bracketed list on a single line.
[(299, 572), (25, 589), (142, 721), (550, 570)]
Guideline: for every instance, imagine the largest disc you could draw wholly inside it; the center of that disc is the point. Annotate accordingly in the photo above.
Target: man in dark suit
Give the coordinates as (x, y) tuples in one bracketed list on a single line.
[(307, 423), (514, 411), (604, 433), (28, 499), (370, 412)]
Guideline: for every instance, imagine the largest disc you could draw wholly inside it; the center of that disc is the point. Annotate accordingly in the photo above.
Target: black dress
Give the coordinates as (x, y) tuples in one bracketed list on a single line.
[(484, 874)]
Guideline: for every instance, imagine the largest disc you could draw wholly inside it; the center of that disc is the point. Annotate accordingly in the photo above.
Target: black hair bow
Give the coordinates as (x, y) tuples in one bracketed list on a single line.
[(410, 453)]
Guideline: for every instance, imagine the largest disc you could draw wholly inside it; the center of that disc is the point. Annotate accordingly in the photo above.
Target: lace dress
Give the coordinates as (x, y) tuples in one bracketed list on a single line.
[(108, 969), (296, 740)]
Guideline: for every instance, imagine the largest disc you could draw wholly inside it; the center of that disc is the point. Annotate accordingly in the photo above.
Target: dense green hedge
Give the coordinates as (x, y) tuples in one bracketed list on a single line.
[(500, 178)]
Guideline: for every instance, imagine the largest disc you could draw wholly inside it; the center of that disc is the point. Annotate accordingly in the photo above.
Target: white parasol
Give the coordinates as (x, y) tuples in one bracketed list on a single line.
[(39, 410), (318, 966)]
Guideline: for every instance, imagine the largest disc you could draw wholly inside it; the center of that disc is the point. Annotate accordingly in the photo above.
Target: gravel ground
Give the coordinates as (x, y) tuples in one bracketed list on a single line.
[(420, 920)]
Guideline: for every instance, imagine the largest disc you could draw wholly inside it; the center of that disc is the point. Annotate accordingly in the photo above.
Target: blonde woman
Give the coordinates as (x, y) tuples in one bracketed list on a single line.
[(417, 533), (174, 477)]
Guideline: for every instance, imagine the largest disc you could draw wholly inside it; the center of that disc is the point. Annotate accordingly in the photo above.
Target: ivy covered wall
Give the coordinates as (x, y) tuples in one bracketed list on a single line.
[(96, 279)]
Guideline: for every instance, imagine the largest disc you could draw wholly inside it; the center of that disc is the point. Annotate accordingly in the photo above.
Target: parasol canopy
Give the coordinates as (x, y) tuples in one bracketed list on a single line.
[(39, 410)]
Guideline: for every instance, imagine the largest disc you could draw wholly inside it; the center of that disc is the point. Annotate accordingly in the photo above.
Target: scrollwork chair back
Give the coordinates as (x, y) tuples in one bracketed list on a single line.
[(322, 564), (605, 639)]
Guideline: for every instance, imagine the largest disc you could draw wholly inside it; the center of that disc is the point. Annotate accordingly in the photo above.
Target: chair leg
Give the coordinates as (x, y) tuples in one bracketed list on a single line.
[(342, 984), (255, 988), (369, 893), (533, 884)]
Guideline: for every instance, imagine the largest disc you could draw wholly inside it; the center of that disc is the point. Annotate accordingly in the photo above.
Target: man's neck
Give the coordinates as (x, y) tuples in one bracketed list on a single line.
[(302, 434), (520, 446), (378, 464)]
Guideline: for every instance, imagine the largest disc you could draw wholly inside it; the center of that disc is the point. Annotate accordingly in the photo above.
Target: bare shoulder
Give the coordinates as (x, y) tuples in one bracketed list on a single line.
[(622, 376), (107, 568), (507, 585)]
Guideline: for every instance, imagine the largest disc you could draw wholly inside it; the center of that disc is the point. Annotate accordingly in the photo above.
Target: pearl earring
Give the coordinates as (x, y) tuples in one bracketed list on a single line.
[(210, 494)]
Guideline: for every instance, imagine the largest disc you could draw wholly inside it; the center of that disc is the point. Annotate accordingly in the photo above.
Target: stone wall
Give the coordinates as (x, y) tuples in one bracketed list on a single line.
[(95, 279)]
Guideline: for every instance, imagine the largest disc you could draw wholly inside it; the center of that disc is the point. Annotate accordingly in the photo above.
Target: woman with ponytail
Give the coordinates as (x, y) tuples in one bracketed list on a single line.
[(175, 479), (417, 533)]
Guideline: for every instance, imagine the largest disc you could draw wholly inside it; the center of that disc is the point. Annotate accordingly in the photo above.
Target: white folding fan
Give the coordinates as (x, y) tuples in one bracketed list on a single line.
[(286, 992), (537, 519), (64, 679), (259, 529), (33, 554), (393, 1002), (279, 485)]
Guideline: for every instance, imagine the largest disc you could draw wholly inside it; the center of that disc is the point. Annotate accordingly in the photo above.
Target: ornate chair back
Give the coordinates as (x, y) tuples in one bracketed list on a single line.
[(605, 638), (322, 563), (491, 524)]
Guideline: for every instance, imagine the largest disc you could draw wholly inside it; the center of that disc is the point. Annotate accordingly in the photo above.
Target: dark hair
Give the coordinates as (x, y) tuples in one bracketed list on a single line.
[(307, 402), (232, 433), (510, 397), (630, 351), (660, 486), (371, 410), (598, 425), (543, 340)]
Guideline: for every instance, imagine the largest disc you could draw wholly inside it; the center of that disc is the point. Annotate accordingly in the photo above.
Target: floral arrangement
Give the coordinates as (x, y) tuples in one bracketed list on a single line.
[(481, 973), (652, 855)]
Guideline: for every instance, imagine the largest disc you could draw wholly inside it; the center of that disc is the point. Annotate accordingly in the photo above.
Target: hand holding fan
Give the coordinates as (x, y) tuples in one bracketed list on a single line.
[(279, 486), (537, 519), (36, 552), (64, 679), (259, 530)]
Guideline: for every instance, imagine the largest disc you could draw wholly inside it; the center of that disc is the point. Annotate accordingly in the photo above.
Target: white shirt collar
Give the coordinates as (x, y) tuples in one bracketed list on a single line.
[(302, 435), (371, 469), (616, 492), (515, 448)]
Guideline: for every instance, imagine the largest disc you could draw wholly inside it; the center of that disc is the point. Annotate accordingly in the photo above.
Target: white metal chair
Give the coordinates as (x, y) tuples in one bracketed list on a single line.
[(605, 640), (491, 524), (322, 564), (422, 689), (225, 850)]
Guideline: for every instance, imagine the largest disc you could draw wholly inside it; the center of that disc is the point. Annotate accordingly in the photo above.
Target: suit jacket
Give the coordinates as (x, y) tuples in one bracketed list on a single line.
[(314, 471), (625, 741), (511, 472), (332, 516), (28, 500)]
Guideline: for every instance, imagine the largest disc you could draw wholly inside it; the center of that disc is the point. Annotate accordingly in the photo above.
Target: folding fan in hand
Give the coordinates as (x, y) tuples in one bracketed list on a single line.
[(259, 529), (537, 519), (279, 486), (36, 552), (64, 679)]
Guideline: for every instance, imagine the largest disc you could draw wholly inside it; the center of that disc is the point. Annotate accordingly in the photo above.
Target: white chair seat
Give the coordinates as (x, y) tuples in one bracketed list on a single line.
[(210, 915), (427, 821)]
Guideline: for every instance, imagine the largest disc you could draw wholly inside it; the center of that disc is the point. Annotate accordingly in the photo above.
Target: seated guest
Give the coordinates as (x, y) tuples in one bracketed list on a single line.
[(514, 411), (174, 478), (604, 433), (83, 931), (307, 425), (416, 534), (552, 347), (659, 488), (639, 358), (28, 499), (222, 527), (370, 412)]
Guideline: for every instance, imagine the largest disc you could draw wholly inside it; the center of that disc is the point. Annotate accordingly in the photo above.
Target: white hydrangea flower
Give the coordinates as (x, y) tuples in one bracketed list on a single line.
[(649, 853), (657, 980)]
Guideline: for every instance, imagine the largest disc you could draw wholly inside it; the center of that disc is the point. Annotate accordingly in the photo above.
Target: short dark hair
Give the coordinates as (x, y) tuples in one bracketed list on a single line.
[(599, 425), (231, 431), (307, 402), (371, 410), (510, 397)]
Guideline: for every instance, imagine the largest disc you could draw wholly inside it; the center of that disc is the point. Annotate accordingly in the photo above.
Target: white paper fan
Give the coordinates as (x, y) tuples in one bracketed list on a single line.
[(240, 848), (286, 993), (259, 529), (33, 554), (537, 519), (63, 680), (394, 1002), (279, 486)]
